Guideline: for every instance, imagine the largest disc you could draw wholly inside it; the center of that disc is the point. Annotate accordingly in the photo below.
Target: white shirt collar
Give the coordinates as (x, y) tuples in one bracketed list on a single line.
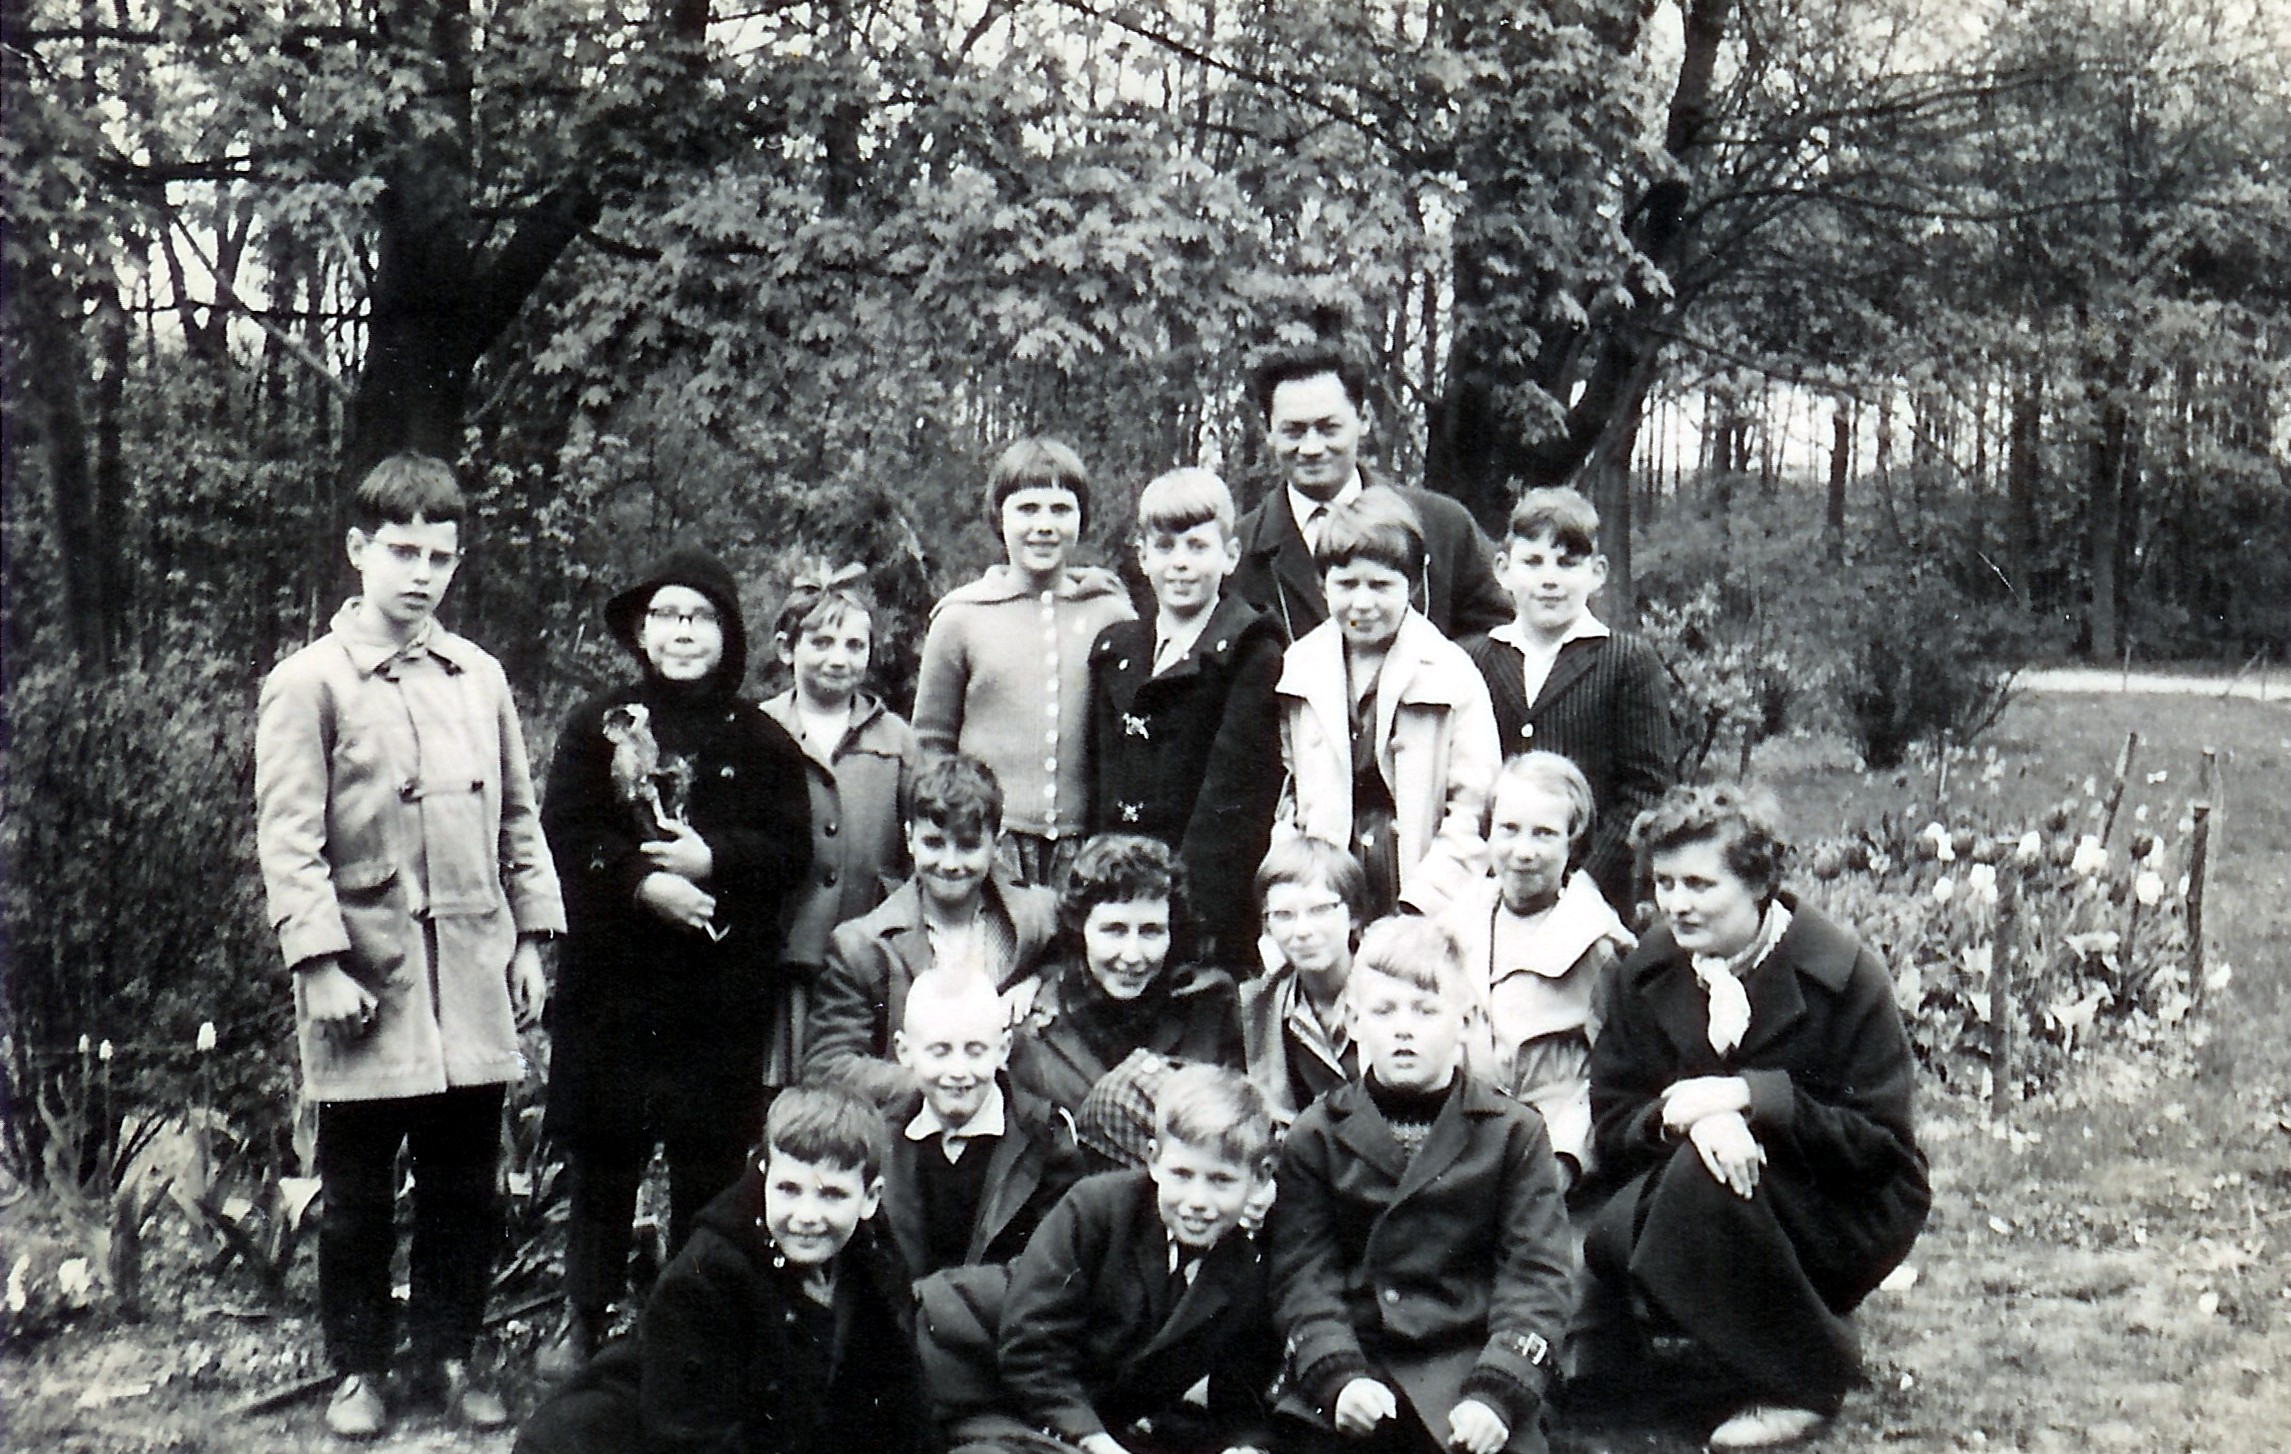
[(1302, 505), (1169, 650), (992, 1120), (1587, 627)]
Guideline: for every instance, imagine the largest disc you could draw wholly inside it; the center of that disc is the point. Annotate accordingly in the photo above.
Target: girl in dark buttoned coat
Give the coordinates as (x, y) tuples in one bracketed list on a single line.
[(1750, 1095), (679, 815)]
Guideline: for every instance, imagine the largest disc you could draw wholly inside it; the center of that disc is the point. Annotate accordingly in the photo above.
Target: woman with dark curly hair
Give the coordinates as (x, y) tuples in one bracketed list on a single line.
[(1114, 992), (1750, 1094)]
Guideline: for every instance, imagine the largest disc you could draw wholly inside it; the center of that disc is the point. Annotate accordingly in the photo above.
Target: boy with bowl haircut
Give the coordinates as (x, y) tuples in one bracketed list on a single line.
[(1561, 681), (409, 883), (975, 1162), (1386, 730), (1005, 675), (1115, 993), (1184, 728), (1422, 1268), (1294, 1029), (1140, 1285), (959, 911), (783, 1325)]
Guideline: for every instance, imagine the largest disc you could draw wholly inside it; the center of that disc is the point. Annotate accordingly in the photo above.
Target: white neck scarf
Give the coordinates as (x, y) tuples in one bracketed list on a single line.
[(1721, 978)]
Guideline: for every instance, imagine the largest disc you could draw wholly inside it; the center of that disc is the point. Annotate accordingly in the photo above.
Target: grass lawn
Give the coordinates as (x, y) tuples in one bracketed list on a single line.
[(2113, 1275)]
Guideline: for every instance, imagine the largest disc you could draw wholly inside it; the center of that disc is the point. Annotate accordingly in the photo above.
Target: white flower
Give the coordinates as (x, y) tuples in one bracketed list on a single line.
[(85, 1044), (2029, 847), (103, 1052), (2090, 856), (206, 1036), (1979, 960), (17, 1297), (1935, 832), (1944, 851), (1944, 888), (74, 1279), (2140, 814), (2148, 888), (1981, 883)]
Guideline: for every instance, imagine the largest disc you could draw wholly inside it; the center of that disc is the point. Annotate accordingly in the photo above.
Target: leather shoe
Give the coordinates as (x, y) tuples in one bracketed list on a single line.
[(356, 1411), (470, 1404), (1765, 1426)]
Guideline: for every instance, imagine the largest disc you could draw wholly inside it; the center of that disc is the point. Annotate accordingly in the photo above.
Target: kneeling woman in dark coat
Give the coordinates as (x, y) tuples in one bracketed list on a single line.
[(1750, 1093)]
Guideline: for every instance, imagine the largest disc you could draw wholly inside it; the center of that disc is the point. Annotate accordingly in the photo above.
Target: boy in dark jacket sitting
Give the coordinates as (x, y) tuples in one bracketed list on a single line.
[(783, 1325), (975, 1162), (1422, 1269), (1138, 1286)]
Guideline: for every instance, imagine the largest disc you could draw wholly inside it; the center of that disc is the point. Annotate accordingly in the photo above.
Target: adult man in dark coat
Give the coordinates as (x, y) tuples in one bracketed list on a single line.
[(1315, 406)]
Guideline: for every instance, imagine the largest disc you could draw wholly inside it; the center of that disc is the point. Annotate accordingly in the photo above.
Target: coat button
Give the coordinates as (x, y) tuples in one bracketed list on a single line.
[(1392, 1294), (828, 878), (829, 830)]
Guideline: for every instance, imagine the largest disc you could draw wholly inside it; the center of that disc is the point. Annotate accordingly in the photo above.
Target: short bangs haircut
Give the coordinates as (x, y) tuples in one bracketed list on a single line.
[(405, 488), (956, 794), (1554, 774), (1377, 525), (813, 605), (1038, 463), (1183, 499), (1746, 824), (1119, 868), (1564, 517), (1311, 862), (1291, 365), (828, 1126), (1216, 1110), (1416, 951)]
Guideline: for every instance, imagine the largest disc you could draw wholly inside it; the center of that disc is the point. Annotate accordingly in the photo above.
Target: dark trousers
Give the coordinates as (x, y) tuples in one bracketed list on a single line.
[(602, 1176), (455, 1143)]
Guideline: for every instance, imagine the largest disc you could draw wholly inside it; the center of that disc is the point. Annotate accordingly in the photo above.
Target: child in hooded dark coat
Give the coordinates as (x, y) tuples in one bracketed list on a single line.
[(680, 814)]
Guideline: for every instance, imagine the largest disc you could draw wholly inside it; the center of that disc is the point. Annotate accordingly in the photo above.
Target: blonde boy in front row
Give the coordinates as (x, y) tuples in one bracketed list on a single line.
[(1139, 1286), (408, 882), (1422, 1269)]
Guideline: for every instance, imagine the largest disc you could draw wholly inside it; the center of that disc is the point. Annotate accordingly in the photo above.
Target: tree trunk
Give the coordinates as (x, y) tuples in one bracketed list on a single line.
[(2024, 442), (1841, 466)]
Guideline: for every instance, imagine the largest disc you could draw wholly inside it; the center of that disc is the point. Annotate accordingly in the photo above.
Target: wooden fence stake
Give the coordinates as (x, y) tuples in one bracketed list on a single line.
[(2116, 788), (2199, 851)]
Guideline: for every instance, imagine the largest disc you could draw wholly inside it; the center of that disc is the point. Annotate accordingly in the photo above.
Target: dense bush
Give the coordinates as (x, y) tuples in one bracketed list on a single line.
[(1904, 643), (134, 913)]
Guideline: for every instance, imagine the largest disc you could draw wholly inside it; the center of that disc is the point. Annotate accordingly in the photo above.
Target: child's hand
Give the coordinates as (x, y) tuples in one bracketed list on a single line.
[(528, 986), (683, 853), (1688, 1101), (1475, 1428), (678, 900), (338, 1006), (1729, 1151), (1363, 1405)]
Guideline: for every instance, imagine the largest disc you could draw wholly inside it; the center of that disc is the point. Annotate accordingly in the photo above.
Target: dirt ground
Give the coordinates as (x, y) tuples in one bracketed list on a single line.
[(2111, 1271)]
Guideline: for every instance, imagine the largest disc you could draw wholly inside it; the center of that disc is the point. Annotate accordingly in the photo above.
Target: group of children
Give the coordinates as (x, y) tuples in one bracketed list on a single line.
[(1122, 901)]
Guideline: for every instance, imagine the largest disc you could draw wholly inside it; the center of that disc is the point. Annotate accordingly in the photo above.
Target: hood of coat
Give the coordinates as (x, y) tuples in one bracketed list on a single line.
[(692, 567)]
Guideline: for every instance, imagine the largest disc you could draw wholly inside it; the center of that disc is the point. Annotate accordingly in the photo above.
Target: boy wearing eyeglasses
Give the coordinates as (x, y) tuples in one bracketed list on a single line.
[(680, 816)]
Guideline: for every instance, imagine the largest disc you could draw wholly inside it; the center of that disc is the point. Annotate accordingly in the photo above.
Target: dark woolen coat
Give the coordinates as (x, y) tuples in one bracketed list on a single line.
[(1448, 1275), (646, 1011), (719, 1364), (1055, 1055), (1193, 757), (1459, 590), (1606, 707), (1764, 1284), (1028, 1169), (1093, 1337)]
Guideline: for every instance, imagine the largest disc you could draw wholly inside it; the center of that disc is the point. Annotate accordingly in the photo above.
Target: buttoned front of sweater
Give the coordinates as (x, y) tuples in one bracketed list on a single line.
[(1005, 679)]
